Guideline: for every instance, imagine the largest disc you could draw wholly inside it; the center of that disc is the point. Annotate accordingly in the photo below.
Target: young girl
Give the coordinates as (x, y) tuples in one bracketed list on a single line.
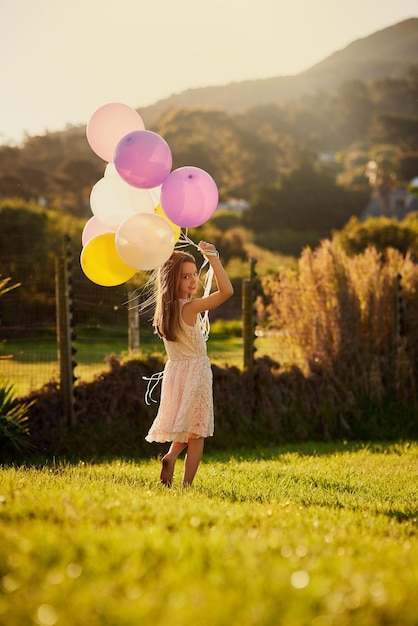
[(185, 415)]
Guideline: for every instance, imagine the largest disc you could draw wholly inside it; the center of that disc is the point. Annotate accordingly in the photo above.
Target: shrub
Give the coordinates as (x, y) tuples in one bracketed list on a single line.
[(14, 428), (342, 316), (260, 406), (381, 233)]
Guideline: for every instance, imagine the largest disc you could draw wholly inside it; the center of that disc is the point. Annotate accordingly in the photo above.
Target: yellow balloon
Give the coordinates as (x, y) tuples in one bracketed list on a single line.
[(176, 229), (101, 263)]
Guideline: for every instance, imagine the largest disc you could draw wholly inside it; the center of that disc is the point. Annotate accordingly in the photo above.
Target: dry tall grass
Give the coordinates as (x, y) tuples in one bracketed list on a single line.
[(343, 318)]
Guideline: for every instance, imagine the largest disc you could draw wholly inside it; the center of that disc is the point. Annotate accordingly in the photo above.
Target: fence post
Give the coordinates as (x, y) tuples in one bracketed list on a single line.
[(247, 322), (133, 326), (64, 333), (399, 321), (248, 313)]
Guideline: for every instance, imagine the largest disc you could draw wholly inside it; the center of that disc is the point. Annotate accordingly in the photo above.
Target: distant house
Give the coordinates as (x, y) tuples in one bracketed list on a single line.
[(233, 203), (398, 203)]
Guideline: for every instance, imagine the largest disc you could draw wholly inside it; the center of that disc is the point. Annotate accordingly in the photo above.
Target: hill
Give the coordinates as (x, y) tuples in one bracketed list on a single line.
[(256, 136), (384, 54)]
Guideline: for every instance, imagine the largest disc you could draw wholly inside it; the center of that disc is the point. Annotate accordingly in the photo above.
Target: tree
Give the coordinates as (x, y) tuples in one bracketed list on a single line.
[(351, 111), (76, 177), (395, 129), (407, 167), (30, 240), (206, 139), (381, 233), (308, 199)]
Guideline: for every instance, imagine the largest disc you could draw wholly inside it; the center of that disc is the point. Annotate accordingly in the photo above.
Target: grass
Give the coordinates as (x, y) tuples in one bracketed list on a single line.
[(317, 534)]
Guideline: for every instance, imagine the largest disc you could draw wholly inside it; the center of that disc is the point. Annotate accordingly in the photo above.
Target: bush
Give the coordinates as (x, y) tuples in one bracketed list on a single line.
[(14, 426), (381, 233), (260, 406), (344, 317)]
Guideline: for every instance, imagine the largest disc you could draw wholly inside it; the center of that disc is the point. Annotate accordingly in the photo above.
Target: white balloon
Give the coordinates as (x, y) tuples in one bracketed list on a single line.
[(110, 170), (144, 241), (112, 201)]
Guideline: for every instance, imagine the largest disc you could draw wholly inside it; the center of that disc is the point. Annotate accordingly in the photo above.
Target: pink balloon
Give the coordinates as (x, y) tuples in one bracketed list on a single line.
[(92, 228), (108, 125), (189, 196), (143, 159)]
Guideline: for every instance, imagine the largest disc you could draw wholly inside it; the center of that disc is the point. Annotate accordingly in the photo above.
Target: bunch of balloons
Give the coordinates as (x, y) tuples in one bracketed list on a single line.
[(140, 205)]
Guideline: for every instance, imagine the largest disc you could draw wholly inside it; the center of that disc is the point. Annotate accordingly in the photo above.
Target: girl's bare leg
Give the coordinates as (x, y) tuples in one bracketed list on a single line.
[(192, 460), (168, 462)]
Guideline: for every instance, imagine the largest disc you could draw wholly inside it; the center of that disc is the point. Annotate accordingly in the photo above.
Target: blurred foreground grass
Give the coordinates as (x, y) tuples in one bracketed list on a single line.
[(319, 534)]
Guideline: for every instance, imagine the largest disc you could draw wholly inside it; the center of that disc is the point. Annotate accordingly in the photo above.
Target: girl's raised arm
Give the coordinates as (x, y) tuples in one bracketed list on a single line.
[(224, 286)]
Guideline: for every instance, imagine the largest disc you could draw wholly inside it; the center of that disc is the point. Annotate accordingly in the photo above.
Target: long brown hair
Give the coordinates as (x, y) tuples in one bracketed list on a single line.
[(167, 310)]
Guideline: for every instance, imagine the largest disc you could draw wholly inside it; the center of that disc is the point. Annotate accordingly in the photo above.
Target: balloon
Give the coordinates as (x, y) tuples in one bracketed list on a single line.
[(144, 241), (189, 196), (112, 201), (176, 229), (92, 228), (110, 170), (108, 125), (102, 264), (143, 159)]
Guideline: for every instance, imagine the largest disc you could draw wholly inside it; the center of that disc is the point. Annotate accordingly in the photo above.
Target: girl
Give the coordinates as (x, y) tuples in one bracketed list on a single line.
[(185, 415)]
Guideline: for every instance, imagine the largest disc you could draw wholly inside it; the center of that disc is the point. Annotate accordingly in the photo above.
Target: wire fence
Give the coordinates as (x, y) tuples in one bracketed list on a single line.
[(102, 325)]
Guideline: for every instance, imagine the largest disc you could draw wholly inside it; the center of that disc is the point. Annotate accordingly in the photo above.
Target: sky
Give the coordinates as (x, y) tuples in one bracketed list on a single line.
[(61, 60)]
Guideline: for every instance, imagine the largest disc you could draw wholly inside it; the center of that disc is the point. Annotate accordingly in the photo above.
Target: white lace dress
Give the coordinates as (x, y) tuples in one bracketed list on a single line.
[(186, 402)]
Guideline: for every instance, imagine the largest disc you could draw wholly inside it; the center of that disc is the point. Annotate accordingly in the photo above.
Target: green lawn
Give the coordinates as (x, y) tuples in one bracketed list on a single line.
[(320, 535)]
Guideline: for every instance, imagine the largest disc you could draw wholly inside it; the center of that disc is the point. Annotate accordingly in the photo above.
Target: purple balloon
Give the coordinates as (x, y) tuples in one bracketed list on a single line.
[(143, 159), (189, 196)]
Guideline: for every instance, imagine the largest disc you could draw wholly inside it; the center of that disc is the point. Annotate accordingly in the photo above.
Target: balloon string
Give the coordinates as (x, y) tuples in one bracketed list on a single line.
[(153, 381), (185, 240)]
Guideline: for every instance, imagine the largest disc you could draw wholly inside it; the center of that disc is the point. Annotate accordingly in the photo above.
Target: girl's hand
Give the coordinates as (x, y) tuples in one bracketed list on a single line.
[(203, 246), (224, 286)]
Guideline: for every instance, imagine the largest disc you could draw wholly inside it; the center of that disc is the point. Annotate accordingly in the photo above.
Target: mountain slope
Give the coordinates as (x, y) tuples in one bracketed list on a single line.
[(384, 54)]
